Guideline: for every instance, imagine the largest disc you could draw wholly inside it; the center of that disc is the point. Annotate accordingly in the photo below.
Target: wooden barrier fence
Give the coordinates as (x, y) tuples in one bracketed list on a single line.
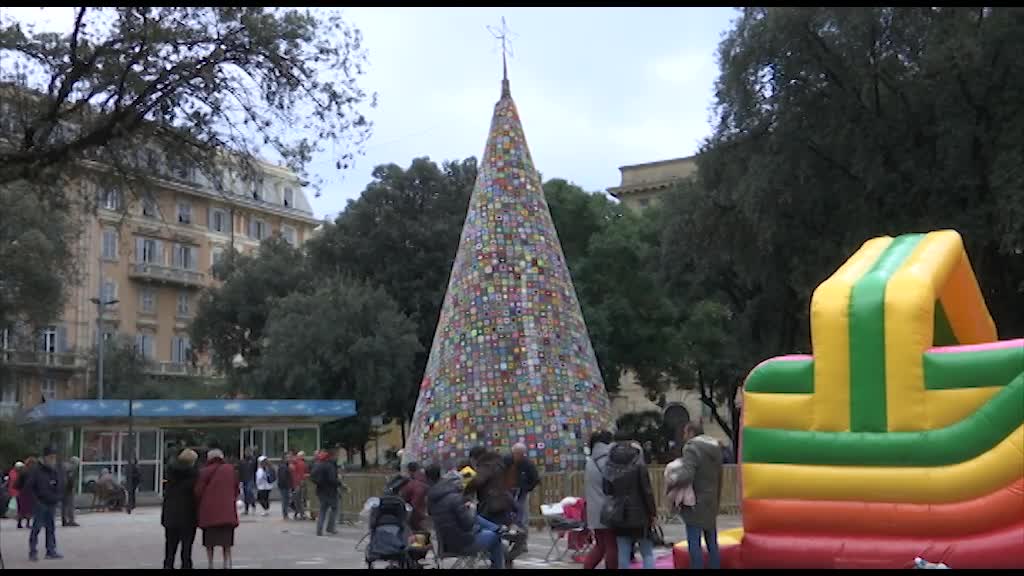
[(553, 487)]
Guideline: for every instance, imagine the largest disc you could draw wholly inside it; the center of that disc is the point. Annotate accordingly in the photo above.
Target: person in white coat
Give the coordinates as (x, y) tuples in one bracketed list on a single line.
[(265, 481), (605, 547)]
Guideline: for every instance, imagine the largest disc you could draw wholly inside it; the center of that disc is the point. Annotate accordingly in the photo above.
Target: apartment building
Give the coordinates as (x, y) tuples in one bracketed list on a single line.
[(147, 254)]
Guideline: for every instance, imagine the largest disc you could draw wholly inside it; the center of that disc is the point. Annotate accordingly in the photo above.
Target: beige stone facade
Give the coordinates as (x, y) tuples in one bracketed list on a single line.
[(643, 183), (156, 248)]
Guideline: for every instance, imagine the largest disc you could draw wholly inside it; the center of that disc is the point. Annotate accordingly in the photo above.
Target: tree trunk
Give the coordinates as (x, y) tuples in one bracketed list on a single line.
[(401, 426), (362, 456), (707, 398)]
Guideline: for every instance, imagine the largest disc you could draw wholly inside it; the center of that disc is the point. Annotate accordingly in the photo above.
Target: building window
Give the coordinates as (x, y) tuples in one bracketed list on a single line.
[(49, 339), (181, 168), (289, 235), (148, 250), (256, 190), (219, 220), (183, 303), (147, 300), (109, 291), (180, 349), (216, 255), (184, 212), (49, 388), (184, 257), (110, 243), (145, 344), (289, 197), (110, 198), (257, 229), (149, 207), (153, 162), (5, 339)]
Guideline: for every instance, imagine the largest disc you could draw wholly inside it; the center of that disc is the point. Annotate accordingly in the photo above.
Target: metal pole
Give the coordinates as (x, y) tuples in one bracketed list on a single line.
[(132, 451), (99, 334)]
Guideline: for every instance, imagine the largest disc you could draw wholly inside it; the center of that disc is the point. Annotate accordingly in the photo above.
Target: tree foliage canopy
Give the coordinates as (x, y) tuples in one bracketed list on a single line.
[(199, 80)]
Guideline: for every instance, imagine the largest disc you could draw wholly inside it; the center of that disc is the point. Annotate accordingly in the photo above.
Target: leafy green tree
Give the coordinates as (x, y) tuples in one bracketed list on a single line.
[(834, 125), (36, 237), (231, 318), (125, 366), (839, 124), (629, 318), (402, 234), (200, 80), (578, 216), (341, 340)]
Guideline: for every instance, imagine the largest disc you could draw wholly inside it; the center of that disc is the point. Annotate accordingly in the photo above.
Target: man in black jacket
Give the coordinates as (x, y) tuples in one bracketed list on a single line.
[(247, 475), (459, 530), (47, 486), (284, 483), (325, 476)]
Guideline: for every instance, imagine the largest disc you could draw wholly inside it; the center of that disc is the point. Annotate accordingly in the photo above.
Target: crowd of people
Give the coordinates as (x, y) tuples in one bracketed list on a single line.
[(475, 507), (39, 486), (621, 508), (206, 498)]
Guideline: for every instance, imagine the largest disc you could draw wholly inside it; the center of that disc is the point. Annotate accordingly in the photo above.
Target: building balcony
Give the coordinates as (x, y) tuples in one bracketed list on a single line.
[(32, 359), (146, 272), (179, 369), (8, 410)]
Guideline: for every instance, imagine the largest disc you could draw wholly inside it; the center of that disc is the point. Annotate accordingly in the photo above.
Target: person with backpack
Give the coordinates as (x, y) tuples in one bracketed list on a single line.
[(265, 478), (630, 510), (593, 488), (284, 483), (247, 472)]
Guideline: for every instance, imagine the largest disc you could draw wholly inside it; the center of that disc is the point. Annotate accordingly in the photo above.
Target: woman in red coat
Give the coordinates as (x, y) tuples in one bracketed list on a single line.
[(216, 494)]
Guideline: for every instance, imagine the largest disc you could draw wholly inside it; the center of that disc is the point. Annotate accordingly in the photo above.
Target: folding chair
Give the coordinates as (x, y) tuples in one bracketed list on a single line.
[(461, 561), (571, 531)]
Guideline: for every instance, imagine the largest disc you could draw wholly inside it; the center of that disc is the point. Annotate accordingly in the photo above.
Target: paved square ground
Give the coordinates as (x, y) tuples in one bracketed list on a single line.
[(119, 540)]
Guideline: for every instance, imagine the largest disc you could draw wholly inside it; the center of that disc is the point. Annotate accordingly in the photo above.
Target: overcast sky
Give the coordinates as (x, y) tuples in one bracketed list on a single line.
[(596, 87)]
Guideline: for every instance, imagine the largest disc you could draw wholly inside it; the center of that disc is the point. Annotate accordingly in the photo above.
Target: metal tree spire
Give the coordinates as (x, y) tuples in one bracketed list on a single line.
[(505, 35)]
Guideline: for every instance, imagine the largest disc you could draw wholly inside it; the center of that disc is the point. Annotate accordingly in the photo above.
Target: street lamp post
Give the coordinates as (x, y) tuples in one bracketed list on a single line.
[(101, 304)]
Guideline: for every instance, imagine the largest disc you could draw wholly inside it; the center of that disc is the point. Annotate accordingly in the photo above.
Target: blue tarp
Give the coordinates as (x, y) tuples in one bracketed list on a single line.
[(71, 411)]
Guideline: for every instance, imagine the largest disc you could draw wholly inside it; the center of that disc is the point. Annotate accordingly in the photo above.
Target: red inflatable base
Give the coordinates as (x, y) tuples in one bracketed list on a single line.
[(999, 549), (729, 557)]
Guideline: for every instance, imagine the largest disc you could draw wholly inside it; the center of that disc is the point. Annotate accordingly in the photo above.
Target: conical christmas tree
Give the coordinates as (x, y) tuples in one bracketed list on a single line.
[(511, 359)]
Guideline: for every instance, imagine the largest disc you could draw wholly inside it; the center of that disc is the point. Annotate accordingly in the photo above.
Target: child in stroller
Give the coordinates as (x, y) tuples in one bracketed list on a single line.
[(390, 534)]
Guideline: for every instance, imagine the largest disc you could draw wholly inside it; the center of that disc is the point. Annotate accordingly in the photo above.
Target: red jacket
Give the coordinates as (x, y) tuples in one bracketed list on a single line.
[(299, 472), (216, 493), (415, 493), (12, 481)]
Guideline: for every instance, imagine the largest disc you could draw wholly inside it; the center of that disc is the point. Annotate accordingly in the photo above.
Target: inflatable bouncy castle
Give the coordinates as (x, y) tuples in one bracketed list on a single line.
[(901, 436)]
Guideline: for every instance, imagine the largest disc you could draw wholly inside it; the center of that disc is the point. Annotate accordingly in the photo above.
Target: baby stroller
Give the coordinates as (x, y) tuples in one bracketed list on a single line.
[(389, 535)]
